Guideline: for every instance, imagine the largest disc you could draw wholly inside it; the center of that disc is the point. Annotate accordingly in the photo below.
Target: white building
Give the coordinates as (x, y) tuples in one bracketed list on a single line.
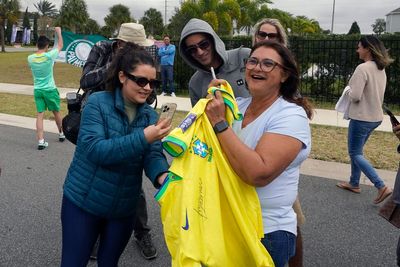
[(393, 21)]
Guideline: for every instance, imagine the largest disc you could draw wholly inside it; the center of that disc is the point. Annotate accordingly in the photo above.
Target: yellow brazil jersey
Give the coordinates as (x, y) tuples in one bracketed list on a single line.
[(210, 216)]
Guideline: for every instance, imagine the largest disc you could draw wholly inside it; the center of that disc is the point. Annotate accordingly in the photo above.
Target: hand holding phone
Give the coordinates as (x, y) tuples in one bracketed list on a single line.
[(167, 111), (393, 119)]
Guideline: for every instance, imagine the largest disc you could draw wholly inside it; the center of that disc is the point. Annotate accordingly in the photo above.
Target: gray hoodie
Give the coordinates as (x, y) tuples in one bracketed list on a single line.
[(232, 68)]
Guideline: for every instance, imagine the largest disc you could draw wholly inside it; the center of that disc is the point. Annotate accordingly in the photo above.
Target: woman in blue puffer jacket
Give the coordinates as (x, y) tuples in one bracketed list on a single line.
[(119, 137)]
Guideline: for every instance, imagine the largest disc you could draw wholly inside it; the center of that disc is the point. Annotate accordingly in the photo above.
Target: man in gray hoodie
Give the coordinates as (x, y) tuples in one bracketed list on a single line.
[(201, 48)]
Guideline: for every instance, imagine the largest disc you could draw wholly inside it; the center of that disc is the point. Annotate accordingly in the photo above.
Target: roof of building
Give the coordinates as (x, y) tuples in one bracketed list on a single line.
[(396, 11)]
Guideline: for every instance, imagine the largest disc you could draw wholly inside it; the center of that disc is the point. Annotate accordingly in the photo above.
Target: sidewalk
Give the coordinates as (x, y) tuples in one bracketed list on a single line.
[(331, 170)]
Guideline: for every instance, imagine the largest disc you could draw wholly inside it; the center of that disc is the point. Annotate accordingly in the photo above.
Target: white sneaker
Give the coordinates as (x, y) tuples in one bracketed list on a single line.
[(42, 145), (163, 94), (173, 94), (61, 137)]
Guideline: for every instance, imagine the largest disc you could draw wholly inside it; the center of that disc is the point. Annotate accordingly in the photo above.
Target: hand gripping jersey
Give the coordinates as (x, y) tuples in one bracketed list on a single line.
[(210, 216)]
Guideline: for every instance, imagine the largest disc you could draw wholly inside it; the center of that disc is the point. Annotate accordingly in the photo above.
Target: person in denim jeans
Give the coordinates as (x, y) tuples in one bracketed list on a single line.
[(367, 90), (274, 136), (272, 29), (167, 55)]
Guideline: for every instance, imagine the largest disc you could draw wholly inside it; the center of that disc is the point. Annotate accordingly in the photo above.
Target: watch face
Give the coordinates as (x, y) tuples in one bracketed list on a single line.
[(221, 126)]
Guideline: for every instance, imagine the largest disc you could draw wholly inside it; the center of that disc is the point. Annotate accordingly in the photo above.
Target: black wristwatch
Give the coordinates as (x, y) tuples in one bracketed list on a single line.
[(221, 126)]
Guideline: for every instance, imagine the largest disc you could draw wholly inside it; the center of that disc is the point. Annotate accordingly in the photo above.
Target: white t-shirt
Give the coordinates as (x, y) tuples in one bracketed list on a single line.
[(277, 198)]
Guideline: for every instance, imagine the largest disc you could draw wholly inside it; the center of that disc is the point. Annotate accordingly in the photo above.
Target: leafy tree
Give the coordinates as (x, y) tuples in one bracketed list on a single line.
[(118, 14), (177, 22), (221, 15), (379, 26), (354, 29), (73, 15), (35, 27), (153, 21), (106, 31), (251, 11), (8, 31), (91, 27), (9, 10), (25, 22), (46, 8)]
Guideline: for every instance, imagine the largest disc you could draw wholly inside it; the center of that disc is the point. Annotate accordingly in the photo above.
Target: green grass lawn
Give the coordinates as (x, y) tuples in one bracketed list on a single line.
[(14, 69), (328, 143)]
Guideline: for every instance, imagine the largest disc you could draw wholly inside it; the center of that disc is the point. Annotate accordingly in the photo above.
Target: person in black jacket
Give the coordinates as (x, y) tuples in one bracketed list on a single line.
[(396, 189), (93, 79)]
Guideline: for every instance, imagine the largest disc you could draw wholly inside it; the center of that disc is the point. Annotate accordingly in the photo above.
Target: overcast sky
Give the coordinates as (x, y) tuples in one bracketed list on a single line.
[(346, 11)]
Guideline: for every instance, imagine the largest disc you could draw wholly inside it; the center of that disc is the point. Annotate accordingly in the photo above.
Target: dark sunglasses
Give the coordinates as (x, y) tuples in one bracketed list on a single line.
[(263, 35), (266, 64), (203, 45), (142, 81)]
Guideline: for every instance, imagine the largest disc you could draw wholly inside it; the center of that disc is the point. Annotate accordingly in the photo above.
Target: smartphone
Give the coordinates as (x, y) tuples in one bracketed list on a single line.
[(167, 111), (393, 119)]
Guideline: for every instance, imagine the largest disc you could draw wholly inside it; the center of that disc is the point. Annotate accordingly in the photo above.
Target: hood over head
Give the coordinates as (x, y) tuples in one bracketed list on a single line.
[(200, 26)]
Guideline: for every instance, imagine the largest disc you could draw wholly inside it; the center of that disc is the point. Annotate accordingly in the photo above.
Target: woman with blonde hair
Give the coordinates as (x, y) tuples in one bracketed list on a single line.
[(367, 90), (269, 29)]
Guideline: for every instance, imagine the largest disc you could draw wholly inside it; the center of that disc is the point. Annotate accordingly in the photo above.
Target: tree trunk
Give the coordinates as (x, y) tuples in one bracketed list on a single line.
[(3, 49)]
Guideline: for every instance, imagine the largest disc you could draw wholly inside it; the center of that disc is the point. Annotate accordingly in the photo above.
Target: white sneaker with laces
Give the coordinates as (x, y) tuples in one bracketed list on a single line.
[(42, 145), (162, 94), (173, 94), (61, 137)]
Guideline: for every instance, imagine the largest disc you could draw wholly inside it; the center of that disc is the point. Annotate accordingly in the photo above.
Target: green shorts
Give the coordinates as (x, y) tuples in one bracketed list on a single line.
[(47, 100)]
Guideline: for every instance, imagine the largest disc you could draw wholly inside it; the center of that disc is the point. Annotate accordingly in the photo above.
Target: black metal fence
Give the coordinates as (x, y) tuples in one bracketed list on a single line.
[(325, 66)]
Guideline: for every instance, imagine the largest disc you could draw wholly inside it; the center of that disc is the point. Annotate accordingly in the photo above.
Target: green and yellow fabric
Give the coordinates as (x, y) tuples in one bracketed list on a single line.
[(210, 216)]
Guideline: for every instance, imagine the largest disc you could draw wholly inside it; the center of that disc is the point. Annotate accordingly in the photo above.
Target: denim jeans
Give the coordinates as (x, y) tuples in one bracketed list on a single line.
[(359, 131), (80, 230), (167, 78), (281, 245)]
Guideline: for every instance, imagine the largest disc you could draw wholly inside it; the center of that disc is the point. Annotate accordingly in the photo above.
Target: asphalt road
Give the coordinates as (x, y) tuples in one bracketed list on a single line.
[(342, 228)]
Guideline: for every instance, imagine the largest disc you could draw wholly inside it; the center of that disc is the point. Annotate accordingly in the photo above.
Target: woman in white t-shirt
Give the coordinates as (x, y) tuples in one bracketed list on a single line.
[(274, 136)]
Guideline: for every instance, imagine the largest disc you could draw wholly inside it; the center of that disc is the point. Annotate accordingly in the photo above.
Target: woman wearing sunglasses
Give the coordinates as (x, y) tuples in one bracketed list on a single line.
[(119, 138), (274, 136), (272, 29)]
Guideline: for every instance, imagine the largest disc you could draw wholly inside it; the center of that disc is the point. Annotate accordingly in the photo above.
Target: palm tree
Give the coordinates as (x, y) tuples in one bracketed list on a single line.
[(153, 21), (251, 11), (220, 14), (46, 8), (9, 10), (73, 15), (118, 14)]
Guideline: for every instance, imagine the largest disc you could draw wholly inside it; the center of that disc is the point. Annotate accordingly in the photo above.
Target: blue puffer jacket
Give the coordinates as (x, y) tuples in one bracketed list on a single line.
[(105, 176)]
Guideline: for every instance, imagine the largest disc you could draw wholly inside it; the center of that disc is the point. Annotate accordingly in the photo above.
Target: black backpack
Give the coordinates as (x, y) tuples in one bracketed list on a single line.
[(72, 120)]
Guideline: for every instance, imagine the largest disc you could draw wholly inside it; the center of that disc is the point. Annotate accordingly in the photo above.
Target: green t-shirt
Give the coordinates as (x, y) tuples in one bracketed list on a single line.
[(42, 69)]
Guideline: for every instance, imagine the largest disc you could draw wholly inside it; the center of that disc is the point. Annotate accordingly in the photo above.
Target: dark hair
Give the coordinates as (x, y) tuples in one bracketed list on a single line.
[(42, 42), (126, 60), (378, 51), (289, 88), (166, 35)]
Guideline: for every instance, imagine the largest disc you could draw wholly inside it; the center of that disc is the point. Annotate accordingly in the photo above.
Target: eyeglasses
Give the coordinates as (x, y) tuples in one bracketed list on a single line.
[(142, 81), (203, 45), (263, 35), (266, 64)]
